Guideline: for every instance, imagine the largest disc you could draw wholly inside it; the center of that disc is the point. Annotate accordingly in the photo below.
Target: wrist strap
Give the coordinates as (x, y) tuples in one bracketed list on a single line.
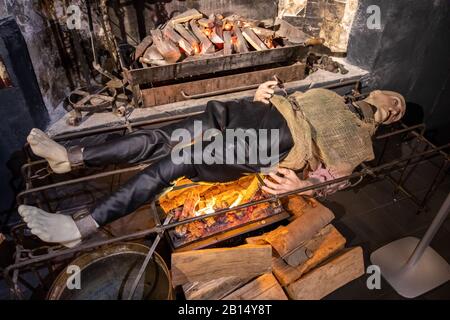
[(85, 223)]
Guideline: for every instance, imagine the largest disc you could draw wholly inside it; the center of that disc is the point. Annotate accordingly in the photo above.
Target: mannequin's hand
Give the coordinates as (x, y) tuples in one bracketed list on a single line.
[(285, 180), (265, 91)]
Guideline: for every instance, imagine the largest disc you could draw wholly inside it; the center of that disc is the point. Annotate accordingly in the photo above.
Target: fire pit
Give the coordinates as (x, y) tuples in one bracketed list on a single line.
[(192, 200)]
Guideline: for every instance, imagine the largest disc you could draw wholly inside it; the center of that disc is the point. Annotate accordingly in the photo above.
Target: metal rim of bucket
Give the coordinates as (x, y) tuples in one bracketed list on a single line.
[(87, 259)]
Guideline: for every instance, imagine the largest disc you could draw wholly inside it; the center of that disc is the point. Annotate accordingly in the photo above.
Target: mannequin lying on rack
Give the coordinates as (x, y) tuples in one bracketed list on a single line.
[(319, 132)]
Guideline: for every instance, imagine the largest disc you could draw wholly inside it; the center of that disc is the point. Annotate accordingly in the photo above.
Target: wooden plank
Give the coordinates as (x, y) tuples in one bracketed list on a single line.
[(186, 34), (208, 264), (167, 48), (328, 277), (186, 16), (225, 63), (206, 23), (253, 39), (228, 45), (265, 287), (206, 45), (214, 289), (172, 93), (329, 241), (141, 47), (170, 33), (240, 45)]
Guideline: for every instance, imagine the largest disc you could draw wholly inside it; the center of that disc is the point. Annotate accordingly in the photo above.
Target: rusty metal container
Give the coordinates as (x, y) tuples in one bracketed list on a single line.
[(109, 272)]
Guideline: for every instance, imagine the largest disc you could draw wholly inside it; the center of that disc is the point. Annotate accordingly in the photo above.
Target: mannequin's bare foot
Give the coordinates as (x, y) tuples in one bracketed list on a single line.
[(51, 227), (53, 152)]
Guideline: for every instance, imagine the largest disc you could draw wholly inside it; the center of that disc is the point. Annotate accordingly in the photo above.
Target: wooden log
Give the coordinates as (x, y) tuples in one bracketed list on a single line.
[(170, 33), (291, 33), (328, 277), (328, 241), (152, 53), (214, 289), (227, 45), (186, 34), (206, 23), (208, 264), (167, 48), (286, 239), (240, 45), (263, 32), (206, 45), (141, 47), (295, 205), (265, 287), (187, 16), (253, 39)]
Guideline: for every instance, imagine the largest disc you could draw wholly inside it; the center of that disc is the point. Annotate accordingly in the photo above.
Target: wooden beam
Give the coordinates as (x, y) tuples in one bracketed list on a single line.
[(328, 242), (214, 289), (186, 16), (328, 277), (172, 93), (170, 33), (240, 45), (206, 45), (228, 45), (167, 48), (253, 39), (208, 264), (265, 287)]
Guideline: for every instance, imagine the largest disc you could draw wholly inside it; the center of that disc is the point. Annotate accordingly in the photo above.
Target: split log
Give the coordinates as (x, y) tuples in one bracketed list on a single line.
[(206, 23), (328, 277), (186, 34), (152, 53), (170, 33), (240, 45), (286, 239), (253, 39), (265, 287), (206, 45), (262, 32), (327, 242), (291, 33), (187, 16), (208, 264), (141, 47), (167, 48), (214, 289), (228, 45)]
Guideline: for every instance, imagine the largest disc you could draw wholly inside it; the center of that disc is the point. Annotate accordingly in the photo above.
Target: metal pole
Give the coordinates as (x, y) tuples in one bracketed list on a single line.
[(431, 232)]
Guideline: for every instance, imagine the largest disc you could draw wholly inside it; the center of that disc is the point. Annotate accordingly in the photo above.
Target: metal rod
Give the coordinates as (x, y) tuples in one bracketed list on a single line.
[(430, 233), (147, 259)]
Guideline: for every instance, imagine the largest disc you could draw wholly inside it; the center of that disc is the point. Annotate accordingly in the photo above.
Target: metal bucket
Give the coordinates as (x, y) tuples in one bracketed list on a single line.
[(108, 274)]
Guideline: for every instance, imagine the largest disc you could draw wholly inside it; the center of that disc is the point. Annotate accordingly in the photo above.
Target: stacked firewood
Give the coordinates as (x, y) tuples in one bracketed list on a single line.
[(191, 36), (304, 259)]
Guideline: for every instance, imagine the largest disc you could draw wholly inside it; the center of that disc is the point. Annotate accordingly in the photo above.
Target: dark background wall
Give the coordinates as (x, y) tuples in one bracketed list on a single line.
[(21, 108), (410, 54)]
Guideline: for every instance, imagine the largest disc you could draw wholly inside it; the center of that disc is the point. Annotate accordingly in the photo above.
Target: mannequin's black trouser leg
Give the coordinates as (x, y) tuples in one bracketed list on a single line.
[(144, 186), (151, 144)]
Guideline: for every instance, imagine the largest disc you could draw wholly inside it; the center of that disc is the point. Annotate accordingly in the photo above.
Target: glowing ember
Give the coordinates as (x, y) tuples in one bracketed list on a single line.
[(227, 26), (207, 31), (206, 199)]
